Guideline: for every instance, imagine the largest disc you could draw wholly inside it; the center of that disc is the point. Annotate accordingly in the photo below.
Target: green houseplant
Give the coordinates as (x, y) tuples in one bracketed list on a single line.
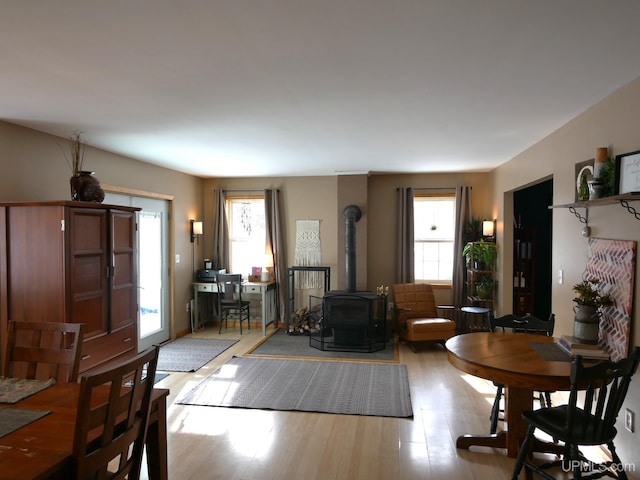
[(588, 294), (589, 300), (481, 255), (484, 287)]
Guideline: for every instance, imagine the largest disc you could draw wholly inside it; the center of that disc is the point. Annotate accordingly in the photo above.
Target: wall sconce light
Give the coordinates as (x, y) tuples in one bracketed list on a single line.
[(488, 228), (196, 229)]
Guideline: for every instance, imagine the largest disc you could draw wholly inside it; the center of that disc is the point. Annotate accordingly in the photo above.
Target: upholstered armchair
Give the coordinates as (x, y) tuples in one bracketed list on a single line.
[(416, 315)]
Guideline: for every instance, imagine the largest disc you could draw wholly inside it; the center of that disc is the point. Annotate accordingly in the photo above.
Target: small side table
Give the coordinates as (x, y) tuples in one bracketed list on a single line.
[(476, 319)]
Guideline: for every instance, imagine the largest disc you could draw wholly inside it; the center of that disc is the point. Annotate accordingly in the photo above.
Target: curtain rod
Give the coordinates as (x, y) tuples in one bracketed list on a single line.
[(430, 188), (251, 190)]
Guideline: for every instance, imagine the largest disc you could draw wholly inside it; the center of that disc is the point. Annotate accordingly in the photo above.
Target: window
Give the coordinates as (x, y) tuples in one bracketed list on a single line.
[(433, 235), (247, 234)]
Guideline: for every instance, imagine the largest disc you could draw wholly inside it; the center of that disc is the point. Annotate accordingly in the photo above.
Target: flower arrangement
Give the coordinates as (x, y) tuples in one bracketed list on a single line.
[(77, 150), (588, 293)]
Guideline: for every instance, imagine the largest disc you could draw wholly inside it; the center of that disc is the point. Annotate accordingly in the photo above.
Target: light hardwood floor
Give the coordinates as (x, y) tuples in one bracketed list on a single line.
[(244, 444)]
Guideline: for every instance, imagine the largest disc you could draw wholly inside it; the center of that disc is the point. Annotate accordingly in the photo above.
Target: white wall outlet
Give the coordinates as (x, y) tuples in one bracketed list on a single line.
[(629, 420), (188, 306), (390, 305), (560, 276), (177, 258)]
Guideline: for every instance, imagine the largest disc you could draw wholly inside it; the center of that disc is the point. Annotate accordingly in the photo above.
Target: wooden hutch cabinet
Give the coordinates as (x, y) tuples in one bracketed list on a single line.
[(72, 262)]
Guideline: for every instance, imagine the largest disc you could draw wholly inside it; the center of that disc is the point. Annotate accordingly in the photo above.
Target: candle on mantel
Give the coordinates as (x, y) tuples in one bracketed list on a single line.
[(602, 155)]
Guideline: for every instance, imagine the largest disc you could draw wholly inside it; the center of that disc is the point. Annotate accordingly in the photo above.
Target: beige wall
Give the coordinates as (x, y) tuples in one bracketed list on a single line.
[(613, 122), (33, 168)]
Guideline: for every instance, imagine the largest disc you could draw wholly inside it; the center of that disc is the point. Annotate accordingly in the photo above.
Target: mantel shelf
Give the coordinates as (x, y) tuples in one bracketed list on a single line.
[(622, 199)]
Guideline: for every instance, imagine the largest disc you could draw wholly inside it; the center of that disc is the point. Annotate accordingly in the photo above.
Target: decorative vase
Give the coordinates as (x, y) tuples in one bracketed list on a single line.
[(586, 324), (86, 188)]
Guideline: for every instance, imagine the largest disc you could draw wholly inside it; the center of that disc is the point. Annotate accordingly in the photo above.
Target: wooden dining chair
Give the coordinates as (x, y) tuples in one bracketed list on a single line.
[(230, 300), (596, 396), (43, 350), (112, 419), (517, 324)]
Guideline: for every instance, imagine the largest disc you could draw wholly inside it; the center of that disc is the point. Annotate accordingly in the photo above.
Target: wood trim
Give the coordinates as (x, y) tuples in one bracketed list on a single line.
[(136, 192)]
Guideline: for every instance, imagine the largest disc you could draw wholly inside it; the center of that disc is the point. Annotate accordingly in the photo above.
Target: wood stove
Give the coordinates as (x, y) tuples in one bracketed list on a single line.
[(353, 320)]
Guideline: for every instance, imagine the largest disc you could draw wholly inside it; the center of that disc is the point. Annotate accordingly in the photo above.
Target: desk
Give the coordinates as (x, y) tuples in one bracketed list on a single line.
[(508, 359), (267, 291), (42, 449)]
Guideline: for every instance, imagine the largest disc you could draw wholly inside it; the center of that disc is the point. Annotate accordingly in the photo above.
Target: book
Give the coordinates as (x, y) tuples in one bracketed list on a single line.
[(589, 353), (571, 342)]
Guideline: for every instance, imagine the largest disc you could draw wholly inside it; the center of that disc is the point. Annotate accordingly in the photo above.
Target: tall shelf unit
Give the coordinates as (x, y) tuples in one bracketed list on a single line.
[(481, 278), (524, 271)]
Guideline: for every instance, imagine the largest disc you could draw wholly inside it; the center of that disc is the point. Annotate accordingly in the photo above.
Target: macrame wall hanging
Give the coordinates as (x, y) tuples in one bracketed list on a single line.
[(308, 253)]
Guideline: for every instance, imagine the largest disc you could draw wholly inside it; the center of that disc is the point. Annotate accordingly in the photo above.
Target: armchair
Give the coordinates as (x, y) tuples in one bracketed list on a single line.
[(416, 316)]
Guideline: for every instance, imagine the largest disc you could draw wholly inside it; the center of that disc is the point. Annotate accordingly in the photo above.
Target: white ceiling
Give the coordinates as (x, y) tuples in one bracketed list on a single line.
[(313, 87)]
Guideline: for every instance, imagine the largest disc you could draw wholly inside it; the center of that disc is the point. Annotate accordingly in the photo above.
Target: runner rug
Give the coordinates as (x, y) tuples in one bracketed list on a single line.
[(189, 354), (350, 388)]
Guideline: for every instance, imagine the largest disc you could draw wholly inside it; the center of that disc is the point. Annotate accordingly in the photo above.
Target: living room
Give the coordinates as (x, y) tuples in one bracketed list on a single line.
[(34, 169)]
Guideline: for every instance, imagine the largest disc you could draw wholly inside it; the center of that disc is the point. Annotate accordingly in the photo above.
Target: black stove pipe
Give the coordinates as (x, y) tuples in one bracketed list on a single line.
[(352, 214)]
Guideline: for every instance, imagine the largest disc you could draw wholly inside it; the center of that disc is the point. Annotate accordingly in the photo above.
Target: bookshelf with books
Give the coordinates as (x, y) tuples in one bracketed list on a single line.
[(524, 256)]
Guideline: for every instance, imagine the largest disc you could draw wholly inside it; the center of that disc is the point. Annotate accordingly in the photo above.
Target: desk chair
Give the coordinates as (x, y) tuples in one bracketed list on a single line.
[(112, 418), (526, 324), (230, 300), (597, 393), (43, 350)]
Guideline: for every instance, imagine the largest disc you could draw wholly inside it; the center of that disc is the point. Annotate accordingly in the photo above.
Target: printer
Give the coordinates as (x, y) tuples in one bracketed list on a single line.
[(208, 275)]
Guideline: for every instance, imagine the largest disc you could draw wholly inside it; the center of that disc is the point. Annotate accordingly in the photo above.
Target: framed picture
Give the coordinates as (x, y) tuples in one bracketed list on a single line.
[(628, 173)]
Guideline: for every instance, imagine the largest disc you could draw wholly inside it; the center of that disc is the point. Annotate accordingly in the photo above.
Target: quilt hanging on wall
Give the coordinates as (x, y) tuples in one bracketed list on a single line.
[(308, 253), (614, 263)]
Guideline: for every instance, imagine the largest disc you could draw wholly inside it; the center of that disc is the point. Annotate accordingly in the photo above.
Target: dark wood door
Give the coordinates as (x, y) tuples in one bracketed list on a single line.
[(124, 294), (88, 272)]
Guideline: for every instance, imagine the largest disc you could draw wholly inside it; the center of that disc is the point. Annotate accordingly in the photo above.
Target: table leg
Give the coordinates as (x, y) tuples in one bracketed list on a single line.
[(157, 441), (516, 401)]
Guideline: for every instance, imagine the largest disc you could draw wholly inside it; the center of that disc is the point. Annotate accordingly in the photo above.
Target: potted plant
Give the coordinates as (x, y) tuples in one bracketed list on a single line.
[(484, 287), (589, 300), (481, 255)]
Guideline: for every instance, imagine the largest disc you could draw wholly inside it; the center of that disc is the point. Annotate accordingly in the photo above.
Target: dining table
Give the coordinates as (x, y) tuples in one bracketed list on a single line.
[(523, 363), (43, 448)]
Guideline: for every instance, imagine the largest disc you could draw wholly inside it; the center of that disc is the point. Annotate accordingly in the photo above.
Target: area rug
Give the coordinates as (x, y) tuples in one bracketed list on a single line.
[(189, 354), (280, 345), (350, 388)]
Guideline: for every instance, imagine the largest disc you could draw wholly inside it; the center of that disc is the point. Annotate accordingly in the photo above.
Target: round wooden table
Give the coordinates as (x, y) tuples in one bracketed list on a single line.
[(509, 359)]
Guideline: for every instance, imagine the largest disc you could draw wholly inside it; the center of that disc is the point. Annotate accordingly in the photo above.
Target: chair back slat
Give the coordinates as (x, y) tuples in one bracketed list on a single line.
[(43, 350)]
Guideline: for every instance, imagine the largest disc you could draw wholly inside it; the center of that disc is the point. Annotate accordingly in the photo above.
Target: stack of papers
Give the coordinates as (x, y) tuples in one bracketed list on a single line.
[(573, 348)]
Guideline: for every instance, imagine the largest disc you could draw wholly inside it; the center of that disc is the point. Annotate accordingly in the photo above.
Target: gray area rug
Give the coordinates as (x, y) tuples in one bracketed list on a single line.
[(189, 354), (282, 345), (350, 388)]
